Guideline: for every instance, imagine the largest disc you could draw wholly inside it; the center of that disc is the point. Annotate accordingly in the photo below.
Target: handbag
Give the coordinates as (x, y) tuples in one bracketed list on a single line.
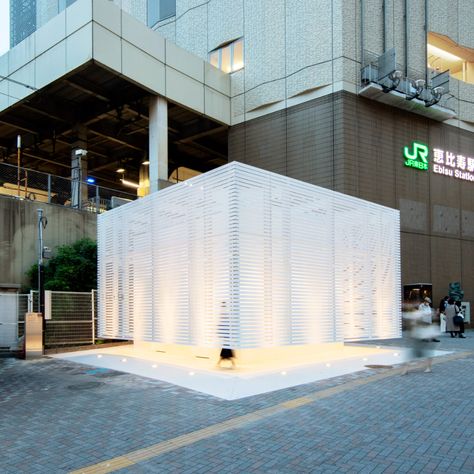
[(457, 320)]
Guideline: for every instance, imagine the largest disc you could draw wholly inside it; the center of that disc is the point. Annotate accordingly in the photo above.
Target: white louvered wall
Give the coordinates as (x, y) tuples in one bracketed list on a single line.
[(246, 258)]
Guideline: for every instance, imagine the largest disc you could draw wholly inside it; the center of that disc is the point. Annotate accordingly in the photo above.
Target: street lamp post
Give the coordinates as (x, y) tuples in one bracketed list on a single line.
[(18, 162), (42, 221)]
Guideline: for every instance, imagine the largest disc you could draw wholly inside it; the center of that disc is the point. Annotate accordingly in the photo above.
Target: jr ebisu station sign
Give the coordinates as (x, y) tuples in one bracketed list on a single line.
[(444, 162)]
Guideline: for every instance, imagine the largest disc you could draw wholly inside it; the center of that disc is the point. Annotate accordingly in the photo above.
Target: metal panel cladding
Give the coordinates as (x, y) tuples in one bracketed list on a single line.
[(246, 258)]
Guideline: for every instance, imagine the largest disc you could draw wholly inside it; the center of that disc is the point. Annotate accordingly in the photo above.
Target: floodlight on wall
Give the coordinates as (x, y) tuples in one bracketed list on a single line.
[(395, 78), (436, 94), (439, 86), (419, 86), (120, 170)]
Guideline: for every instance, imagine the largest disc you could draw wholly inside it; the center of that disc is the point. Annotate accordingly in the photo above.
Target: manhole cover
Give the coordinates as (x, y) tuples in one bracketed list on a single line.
[(85, 386), (375, 366)]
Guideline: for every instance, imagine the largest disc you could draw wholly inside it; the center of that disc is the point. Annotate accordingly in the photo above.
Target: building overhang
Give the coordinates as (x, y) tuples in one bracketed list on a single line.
[(396, 99), (95, 66)]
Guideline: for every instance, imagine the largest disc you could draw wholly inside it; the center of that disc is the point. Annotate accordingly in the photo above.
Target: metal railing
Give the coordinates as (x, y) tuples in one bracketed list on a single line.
[(24, 183)]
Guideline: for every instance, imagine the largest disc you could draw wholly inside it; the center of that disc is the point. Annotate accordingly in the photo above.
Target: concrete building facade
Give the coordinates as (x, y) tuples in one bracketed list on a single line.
[(300, 96)]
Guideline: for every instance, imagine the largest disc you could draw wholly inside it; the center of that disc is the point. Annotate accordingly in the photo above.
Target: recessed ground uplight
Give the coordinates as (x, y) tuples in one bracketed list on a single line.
[(154, 366), (396, 354), (365, 358), (99, 356), (377, 347), (328, 365), (283, 373), (191, 373), (124, 360)]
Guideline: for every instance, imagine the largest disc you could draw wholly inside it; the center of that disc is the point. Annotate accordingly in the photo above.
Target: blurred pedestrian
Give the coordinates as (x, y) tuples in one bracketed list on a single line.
[(442, 316), (426, 315), (223, 332), (459, 319), (420, 333)]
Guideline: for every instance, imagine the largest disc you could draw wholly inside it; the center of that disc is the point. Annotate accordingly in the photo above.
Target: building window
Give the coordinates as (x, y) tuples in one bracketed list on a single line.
[(160, 10), (446, 55), (228, 58)]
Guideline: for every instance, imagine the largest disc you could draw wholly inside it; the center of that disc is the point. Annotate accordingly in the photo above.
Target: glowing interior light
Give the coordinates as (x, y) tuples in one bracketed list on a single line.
[(435, 51), (130, 184)]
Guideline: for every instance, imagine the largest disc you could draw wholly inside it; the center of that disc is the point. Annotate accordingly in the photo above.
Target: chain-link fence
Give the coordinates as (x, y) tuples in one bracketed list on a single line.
[(23, 183)]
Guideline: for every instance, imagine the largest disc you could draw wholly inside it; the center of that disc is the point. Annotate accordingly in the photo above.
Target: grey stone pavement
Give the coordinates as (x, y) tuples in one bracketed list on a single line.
[(57, 416)]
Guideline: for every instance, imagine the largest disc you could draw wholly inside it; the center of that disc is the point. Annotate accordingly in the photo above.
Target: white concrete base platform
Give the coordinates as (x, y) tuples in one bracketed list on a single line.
[(204, 376)]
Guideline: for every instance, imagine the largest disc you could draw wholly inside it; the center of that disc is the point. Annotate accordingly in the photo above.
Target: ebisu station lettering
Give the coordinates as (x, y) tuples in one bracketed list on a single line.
[(416, 156), (445, 162), (450, 164)]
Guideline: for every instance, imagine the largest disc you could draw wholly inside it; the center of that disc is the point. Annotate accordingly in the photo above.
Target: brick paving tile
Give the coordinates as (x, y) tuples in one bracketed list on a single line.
[(55, 416)]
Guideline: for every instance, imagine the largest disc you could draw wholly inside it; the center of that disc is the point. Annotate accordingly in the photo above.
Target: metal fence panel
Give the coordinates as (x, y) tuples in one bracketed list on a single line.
[(12, 309), (71, 319), (8, 320)]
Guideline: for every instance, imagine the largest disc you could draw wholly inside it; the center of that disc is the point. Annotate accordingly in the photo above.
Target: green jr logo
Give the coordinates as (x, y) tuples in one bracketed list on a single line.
[(417, 157)]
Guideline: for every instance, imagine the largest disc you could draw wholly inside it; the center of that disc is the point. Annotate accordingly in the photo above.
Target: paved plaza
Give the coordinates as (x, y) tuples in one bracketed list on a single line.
[(58, 416)]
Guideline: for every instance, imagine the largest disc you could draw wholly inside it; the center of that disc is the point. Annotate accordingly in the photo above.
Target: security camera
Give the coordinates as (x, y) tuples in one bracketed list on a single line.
[(80, 152)]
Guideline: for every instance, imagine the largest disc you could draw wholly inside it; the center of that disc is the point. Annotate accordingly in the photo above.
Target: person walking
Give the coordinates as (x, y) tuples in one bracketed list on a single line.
[(426, 315), (459, 319), (420, 333), (443, 303), (451, 311), (223, 332), (442, 317)]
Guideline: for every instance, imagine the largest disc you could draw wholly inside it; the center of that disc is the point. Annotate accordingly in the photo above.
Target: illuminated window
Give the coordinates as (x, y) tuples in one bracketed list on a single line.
[(160, 10), (444, 54), (228, 58)]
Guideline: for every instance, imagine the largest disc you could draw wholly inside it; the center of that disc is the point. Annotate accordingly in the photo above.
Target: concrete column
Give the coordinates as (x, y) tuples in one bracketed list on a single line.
[(158, 143)]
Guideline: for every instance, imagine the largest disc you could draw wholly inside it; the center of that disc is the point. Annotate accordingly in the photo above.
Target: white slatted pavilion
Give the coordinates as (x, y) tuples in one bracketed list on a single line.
[(248, 259)]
